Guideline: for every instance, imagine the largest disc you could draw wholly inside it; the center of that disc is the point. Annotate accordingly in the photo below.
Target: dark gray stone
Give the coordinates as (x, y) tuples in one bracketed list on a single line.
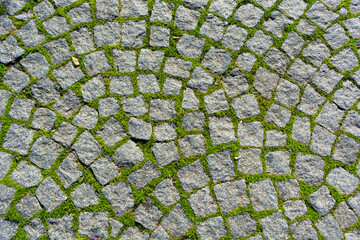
[(44, 152), (45, 91), (59, 50)]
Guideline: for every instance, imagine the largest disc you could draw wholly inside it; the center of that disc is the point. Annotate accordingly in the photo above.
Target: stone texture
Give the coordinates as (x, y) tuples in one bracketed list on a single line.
[(104, 170), (5, 163), (96, 62), (316, 52), (165, 153), (192, 176), (346, 150), (288, 189), (141, 177), (330, 116), (216, 101), (96, 221), (60, 228), (326, 79), (45, 91), (43, 118), (321, 15), (322, 140), (329, 228), (186, 19), (162, 109), (80, 14), (310, 101), (177, 67), (21, 109), (345, 216), (192, 145), (176, 222), (84, 196), (162, 11), (67, 75), (193, 121), (346, 95), (135, 106), (242, 225), (243, 15), (221, 130), (50, 195), (69, 170), (30, 34), (10, 50), (251, 134), (190, 46), (121, 85), (221, 166), (246, 106), (147, 214), (294, 209), (301, 72), (111, 132), (303, 230), (278, 115), (65, 134), (275, 226), (212, 228), (309, 168), (26, 175), (6, 198), (263, 195), (150, 60), (119, 196), (107, 34), (87, 117), (133, 33), (293, 44), (159, 36), (93, 88), (133, 8), (148, 83), (265, 82), (200, 80), (343, 181), (166, 192), (213, 27), (249, 161), (56, 25), (216, 60), (202, 203), (35, 64), (322, 201), (8, 228), (128, 154), (165, 132), (278, 162), (234, 37), (18, 139), (82, 40), (87, 148), (108, 107), (34, 229), (107, 9)]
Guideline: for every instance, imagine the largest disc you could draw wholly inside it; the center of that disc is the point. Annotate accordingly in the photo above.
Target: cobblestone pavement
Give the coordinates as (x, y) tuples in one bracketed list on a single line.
[(191, 119)]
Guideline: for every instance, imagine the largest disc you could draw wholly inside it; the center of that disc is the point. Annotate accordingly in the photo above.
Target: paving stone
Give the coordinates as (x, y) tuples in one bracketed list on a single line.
[(265, 82), (35, 64), (278, 162), (176, 222), (34, 229), (287, 93), (87, 117), (119, 196), (245, 106), (26, 175), (278, 115), (165, 153), (111, 132), (294, 209), (277, 60), (128, 155), (177, 67), (44, 9), (234, 37), (275, 226), (336, 36), (60, 228), (242, 225), (172, 86), (5, 163), (354, 203), (24, 16), (59, 50), (44, 152), (250, 134), (56, 25), (50, 195), (293, 44), (343, 181), (196, 4), (115, 227), (221, 130), (305, 27), (346, 150), (351, 123), (21, 109), (82, 40), (212, 228), (133, 33), (217, 60), (96, 221), (150, 60), (190, 46), (276, 23), (162, 109), (322, 140), (213, 27), (356, 76), (309, 168), (147, 214), (231, 195), (301, 72), (332, 3), (192, 176), (107, 34), (186, 19), (303, 230), (45, 91), (87, 148), (293, 8), (135, 106), (192, 145), (65, 134), (352, 235), (200, 80), (7, 194), (216, 101), (235, 83), (67, 75), (108, 106), (4, 97), (221, 166), (6, 24), (80, 14), (134, 233), (329, 228), (166, 192), (352, 25), (84, 196), (63, 3), (18, 139), (10, 50), (107, 9), (202, 203), (322, 201), (249, 161), (134, 8), (260, 42), (223, 8), (139, 129), (162, 11), (288, 189), (193, 121), (159, 36), (316, 52), (141, 177), (121, 85), (326, 79), (69, 170), (30, 34), (263, 195), (104, 170), (346, 95), (148, 83), (93, 88), (311, 100), (97, 62), (256, 237), (330, 116), (355, 6), (321, 15), (8, 228), (345, 216), (246, 61), (250, 20), (165, 132), (12, 7)]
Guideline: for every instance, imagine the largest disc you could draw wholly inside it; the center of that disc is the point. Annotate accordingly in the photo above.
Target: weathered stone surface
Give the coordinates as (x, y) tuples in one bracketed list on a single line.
[(8, 228), (303, 230), (202, 203), (104, 170), (294, 209), (275, 226), (150, 60), (260, 42), (330, 116), (30, 34), (351, 123), (346, 150), (165, 132), (242, 225), (246, 106), (329, 228), (265, 82), (93, 88), (165, 153), (45, 91), (326, 78), (235, 83), (115, 227), (186, 19), (87, 148), (96, 221), (301, 72), (121, 85), (96, 62), (212, 228), (293, 44), (246, 61), (288, 189), (60, 228), (213, 27), (249, 161), (21, 109), (217, 60), (305, 27), (166, 192), (148, 83), (84, 196), (133, 33), (221, 130), (128, 155), (201, 80), (65, 134), (107, 34), (107, 9), (141, 177), (176, 222), (336, 36), (322, 201), (277, 60), (221, 166), (310, 101), (162, 109), (119, 196), (190, 46), (80, 14), (159, 36), (263, 195), (18, 139), (108, 106), (321, 15), (287, 93), (50, 195), (352, 25), (43, 118), (67, 75), (162, 11), (26, 175), (34, 229), (192, 176), (35, 64), (134, 233), (82, 40), (316, 52), (343, 181), (249, 15), (56, 25), (147, 214), (135, 106), (87, 117), (111, 132), (192, 145), (7, 194), (278, 162), (345, 216), (10, 50), (309, 168), (133, 8), (69, 170), (216, 101), (293, 8), (278, 115), (5, 162), (234, 37), (193, 121), (346, 95), (177, 67), (322, 140), (251, 134)]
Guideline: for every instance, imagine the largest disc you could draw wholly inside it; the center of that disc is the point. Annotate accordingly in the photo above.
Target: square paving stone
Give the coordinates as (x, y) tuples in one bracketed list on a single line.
[(321, 15), (26, 175), (345, 60), (134, 233), (135, 106), (121, 85), (234, 37), (6, 24), (346, 150), (293, 8), (265, 82), (211, 228), (7, 194), (8, 228), (139, 129), (245, 106), (34, 229), (329, 228), (96, 62), (190, 101), (165, 153), (345, 216), (80, 14), (150, 60), (216, 101), (202, 203), (18, 139), (69, 170), (165, 132), (352, 25), (87, 117), (50, 195), (301, 72), (287, 93), (352, 234), (159, 36), (93, 88), (124, 60), (133, 33), (134, 8), (251, 134), (277, 60), (128, 155), (65, 134), (354, 203), (223, 8), (347, 95), (278, 162), (177, 67), (36, 64), (293, 44), (278, 115), (108, 106), (17, 80), (21, 109), (84, 196), (148, 83), (45, 91), (44, 9), (107, 9), (221, 130), (316, 52), (201, 80), (231, 195), (326, 79), (246, 61), (162, 109), (221, 166), (30, 34), (111, 132), (59, 50), (82, 40), (294, 209), (303, 230), (147, 214), (193, 121), (330, 116), (260, 42), (336, 36), (263, 195), (192, 176), (162, 11), (10, 50), (301, 130), (67, 75), (190, 46), (192, 145), (288, 189), (275, 138), (309, 168), (250, 20), (322, 140), (107, 34), (311, 100), (176, 222), (242, 225), (61, 227), (275, 226), (213, 27), (119, 196), (186, 19), (305, 27), (249, 161), (343, 181), (63, 3), (5, 163), (166, 192), (44, 152), (87, 148), (172, 86), (322, 201), (104, 170), (217, 60), (96, 221), (56, 25), (351, 123), (141, 177)]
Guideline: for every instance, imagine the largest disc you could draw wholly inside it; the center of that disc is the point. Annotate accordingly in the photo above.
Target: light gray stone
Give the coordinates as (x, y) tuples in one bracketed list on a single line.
[(311, 100), (177, 67), (294, 209), (288, 189), (45, 91), (346, 150), (84, 196), (63, 3), (260, 42), (162, 109), (8, 228), (121, 85), (192, 145), (202, 203), (87, 117), (345, 216), (301, 72), (107, 9), (165, 153), (21, 109), (50, 195), (18, 139), (245, 106), (216, 101), (30, 34), (44, 119), (7, 194), (351, 123), (134, 233), (278, 115), (56, 25), (162, 11), (293, 44), (159, 36), (251, 134), (96, 221), (133, 8), (343, 181), (326, 79), (26, 175), (242, 225), (10, 50), (301, 130), (82, 40), (322, 201), (135, 106), (211, 228), (60, 228), (263, 195), (322, 141), (108, 106), (249, 15), (80, 14), (352, 25), (69, 170), (5, 24), (277, 60), (150, 60), (139, 129), (278, 162), (213, 27), (336, 36), (107, 34), (221, 166), (346, 95), (65, 134), (275, 226), (329, 228), (35, 64), (192, 176), (12, 7), (316, 52), (265, 82), (221, 130), (176, 222), (111, 132), (305, 27), (128, 155), (115, 227), (303, 230), (133, 33), (87, 148), (235, 83), (330, 116), (193, 121), (93, 88), (67, 75), (4, 97), (147, 214), (287, 93), (44, 9), (309, 168), (166, 192), (165, 132), (5, 163), (223, 8), (200, 79), (276, 23), (119, 196), (246, 61), (293, 8), (186, 19), (172, 86), (104, 170), (249, 161), (190, 46), (321, 15), (234, 37), (148, 83), (217, 60), (34, 229), (97, 62)]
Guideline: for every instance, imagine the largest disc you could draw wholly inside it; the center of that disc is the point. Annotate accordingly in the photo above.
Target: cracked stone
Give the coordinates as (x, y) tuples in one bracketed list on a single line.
[(166, 192), (141, 177), (265, 82), (87, 148), (121, 85), (278, 162), (322, 201), (84, 196), (249, 161), (120, 197), (128, 155), (104, 170), (18, 139), (26, 175), (97, 62), (309, 168), (65, 134), (192, 145), (21, 109), (202, 203), (346, 150), (221, 166), (67, 75), (186, 19), (330, 116), (165, 153), (69, 170), (87, 117), (193, 177), (82, 40), (263, 195), (50, 195)]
